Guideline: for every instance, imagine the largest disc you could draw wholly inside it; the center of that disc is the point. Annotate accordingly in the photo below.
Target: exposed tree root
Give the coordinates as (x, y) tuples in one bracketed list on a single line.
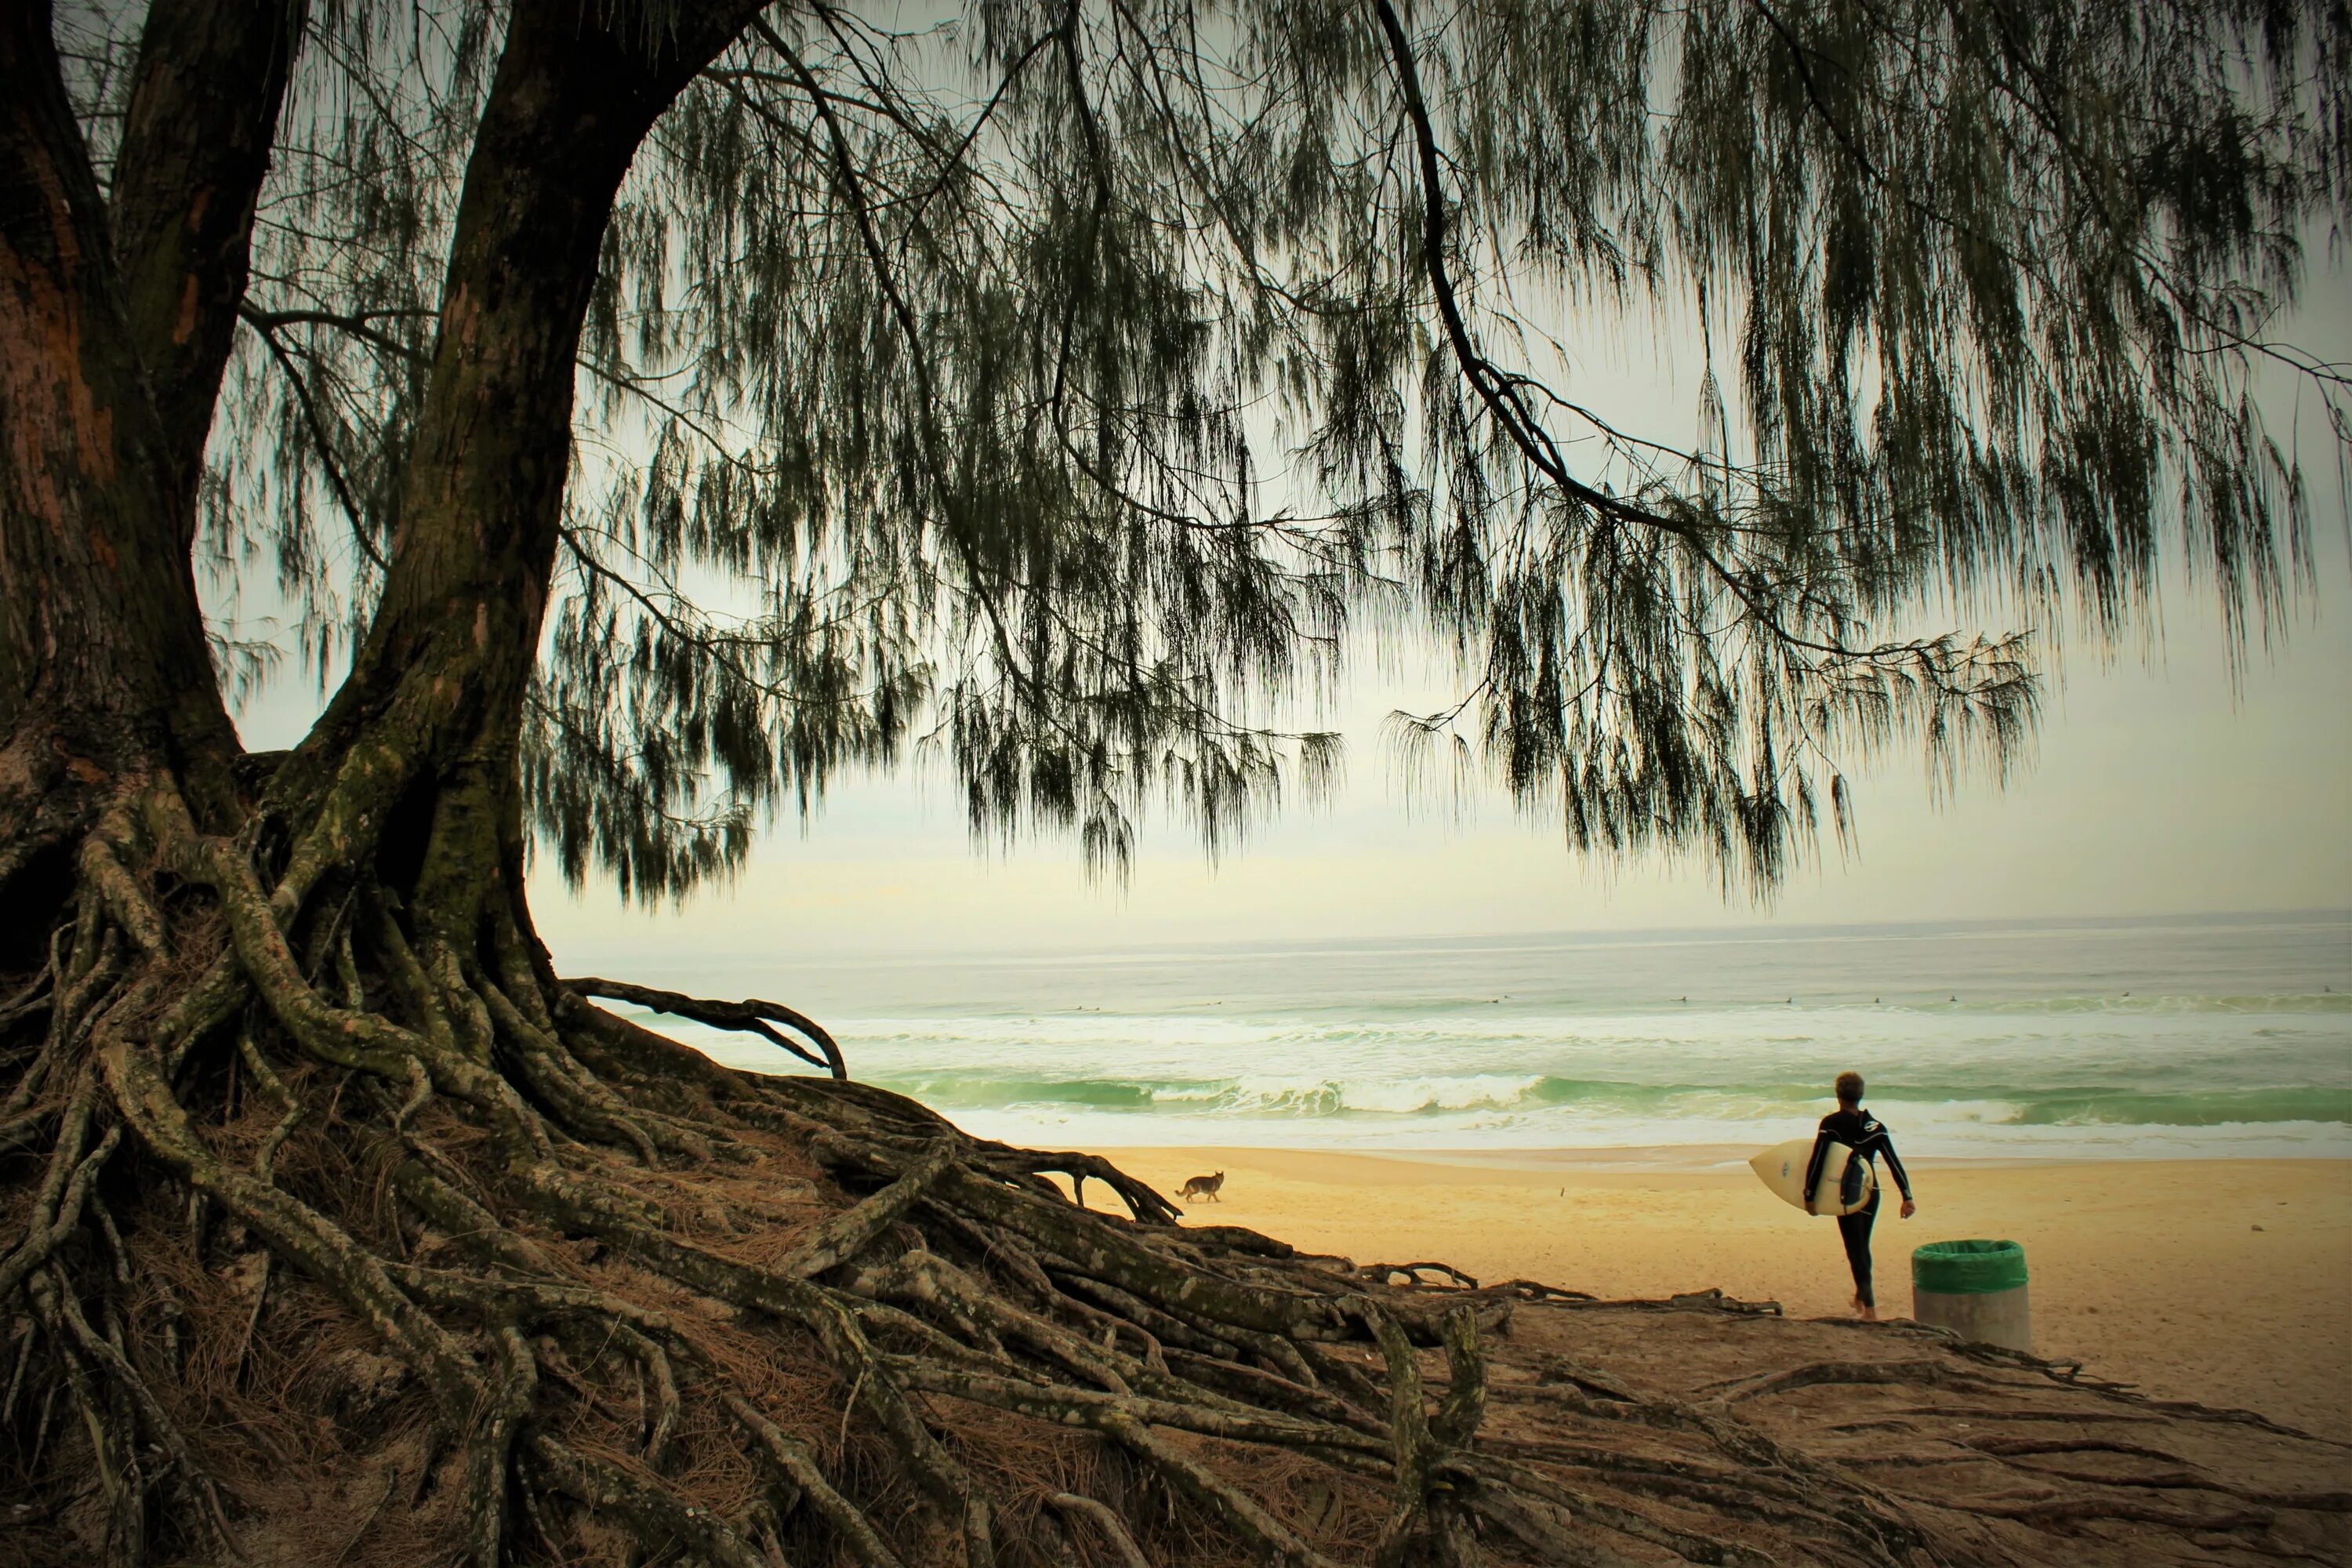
[(2073, 1375), (759, 1018), (594, 1268), (1922, 1373)]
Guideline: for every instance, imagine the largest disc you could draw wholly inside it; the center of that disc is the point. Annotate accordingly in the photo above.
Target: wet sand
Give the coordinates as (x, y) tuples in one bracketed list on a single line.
[(2228, 1282)]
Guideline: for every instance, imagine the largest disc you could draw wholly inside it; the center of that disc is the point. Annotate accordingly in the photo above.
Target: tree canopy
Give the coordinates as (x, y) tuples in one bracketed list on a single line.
[(1058, 384)]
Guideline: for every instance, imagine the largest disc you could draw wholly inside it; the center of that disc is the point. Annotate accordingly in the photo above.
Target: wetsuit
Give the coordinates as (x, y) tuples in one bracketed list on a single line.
[(1863, 1134)]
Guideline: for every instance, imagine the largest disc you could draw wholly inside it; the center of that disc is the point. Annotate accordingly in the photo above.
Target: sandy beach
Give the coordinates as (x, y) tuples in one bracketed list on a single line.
[(2224, 1281)]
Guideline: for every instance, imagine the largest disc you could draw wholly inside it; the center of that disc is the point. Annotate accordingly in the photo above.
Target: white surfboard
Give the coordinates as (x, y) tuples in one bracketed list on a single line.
[(1782, 1169)]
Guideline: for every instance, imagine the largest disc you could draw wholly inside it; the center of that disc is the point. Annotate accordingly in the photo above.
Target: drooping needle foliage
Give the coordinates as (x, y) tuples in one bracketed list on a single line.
[(1059, 384)]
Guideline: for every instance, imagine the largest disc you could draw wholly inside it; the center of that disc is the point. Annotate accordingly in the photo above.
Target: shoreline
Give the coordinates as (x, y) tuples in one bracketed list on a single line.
[(2224, 1281)]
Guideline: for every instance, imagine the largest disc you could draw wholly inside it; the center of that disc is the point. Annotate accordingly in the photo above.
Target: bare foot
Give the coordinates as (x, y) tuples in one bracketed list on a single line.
[(1867, 1314)]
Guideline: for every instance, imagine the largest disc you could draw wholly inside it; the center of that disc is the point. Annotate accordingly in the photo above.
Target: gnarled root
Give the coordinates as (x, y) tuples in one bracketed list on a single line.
[(571, 1286)]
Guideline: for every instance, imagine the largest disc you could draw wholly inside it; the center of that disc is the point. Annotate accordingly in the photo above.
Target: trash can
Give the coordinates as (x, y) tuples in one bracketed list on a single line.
[(1976, 1288)]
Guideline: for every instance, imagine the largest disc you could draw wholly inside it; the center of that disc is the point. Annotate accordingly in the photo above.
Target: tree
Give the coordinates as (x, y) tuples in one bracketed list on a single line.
[(660, 402)]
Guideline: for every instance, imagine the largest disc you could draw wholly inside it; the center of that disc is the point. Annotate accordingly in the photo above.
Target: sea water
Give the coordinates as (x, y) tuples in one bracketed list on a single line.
[(2145, 1038)]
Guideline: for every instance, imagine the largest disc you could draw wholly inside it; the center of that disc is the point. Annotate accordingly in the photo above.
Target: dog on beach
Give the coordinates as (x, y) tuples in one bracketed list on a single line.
[(1202, 1187)]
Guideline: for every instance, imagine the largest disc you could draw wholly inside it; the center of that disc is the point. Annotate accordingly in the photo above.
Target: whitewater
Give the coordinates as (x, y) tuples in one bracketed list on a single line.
[(2225, 1037)]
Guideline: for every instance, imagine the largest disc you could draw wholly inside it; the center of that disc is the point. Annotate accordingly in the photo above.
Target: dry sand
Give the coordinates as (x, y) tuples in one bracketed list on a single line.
[(2224, 1281)]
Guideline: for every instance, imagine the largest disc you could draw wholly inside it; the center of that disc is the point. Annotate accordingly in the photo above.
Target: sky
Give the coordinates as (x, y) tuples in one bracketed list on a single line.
[(2156, 785)]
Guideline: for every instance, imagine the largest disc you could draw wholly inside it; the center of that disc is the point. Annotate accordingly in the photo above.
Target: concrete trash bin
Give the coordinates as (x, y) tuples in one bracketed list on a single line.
[(1976, 1288)]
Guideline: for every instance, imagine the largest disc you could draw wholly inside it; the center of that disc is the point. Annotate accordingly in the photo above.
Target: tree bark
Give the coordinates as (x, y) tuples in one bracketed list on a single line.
[(103, 668), (447, 659), (210, 84)]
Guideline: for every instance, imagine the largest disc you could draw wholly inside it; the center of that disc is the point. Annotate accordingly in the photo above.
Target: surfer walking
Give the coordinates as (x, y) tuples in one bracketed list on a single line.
[(1863, 1134)]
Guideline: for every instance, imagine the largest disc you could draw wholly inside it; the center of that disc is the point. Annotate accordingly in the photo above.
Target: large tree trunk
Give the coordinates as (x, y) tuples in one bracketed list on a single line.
[(439, 681)]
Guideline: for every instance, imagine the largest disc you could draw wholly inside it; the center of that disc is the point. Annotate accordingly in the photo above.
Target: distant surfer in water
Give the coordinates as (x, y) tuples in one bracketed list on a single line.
[(1863, 1134)]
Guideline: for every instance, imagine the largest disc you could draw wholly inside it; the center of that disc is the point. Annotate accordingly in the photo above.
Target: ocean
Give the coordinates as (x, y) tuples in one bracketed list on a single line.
[(2215, 1037)]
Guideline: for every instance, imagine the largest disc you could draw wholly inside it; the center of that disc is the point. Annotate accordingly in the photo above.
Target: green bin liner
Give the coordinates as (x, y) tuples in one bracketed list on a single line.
[(1967, 1267)]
